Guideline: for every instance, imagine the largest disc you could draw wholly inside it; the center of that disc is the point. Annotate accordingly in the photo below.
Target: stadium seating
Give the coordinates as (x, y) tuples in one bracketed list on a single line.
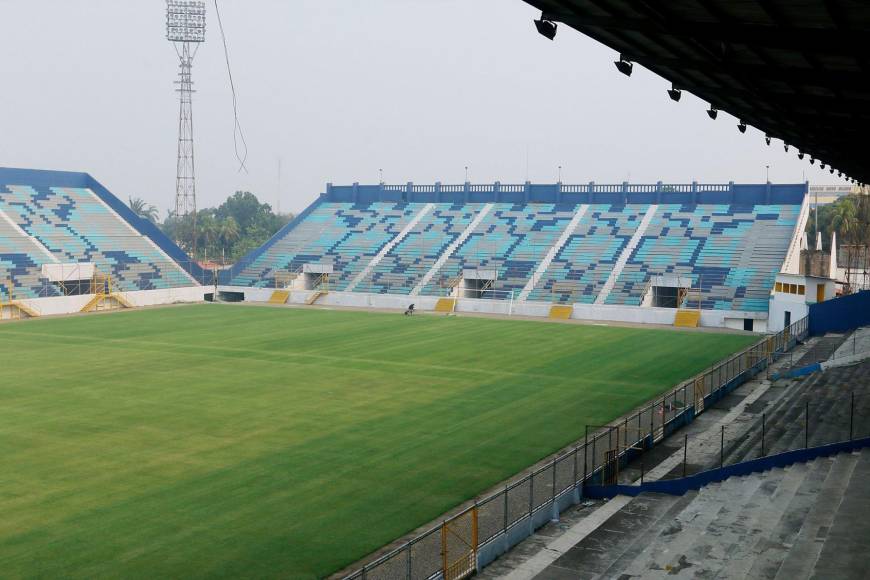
[(43, 224), (566, 245), (511, 240), (20, 264), (732, 252), (345, 236), (408, 261), (583, 265)]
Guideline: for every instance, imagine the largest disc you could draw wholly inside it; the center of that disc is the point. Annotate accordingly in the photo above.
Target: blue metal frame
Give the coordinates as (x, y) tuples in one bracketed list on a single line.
[(699, 480), (840, 314)]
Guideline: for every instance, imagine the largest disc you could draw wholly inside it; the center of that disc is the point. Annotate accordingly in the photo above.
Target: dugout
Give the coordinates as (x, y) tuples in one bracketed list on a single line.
[(314, 276), (477, 283)]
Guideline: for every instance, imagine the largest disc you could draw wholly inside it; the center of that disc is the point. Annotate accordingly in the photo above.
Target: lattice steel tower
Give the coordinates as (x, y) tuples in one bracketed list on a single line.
[(185, 28)]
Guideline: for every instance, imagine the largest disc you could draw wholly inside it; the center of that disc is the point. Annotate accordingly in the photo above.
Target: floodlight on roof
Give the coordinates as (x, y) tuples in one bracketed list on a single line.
[(624, 65), (821, 165), (800, 154), (674, 93), (712, 112), (185, 20), (812, 160), (741, 126), (767, 139), (546, 28), (785, 146)]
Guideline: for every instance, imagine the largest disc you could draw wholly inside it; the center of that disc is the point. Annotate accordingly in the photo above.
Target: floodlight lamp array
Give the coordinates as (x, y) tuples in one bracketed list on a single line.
[(185, 20)]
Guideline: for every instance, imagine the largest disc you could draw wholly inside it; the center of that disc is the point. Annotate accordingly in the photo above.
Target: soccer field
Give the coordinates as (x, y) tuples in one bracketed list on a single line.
[(218, 440)]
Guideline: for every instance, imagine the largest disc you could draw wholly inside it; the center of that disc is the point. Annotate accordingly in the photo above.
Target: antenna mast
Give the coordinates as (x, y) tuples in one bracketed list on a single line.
[(185, 26)]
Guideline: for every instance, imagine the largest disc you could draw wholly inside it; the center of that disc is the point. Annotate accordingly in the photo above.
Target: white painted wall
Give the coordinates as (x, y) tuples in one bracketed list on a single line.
[(603, 313), (782, 302), (71, 304)]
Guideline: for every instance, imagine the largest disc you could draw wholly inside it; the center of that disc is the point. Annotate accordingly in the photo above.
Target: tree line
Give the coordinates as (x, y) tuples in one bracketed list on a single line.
[(222, 234)]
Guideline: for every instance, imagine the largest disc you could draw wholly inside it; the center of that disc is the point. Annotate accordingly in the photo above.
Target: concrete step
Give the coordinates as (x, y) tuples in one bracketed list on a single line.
[(640, 542), (743, 527), (801, 558), (780, 521), (844, 554)]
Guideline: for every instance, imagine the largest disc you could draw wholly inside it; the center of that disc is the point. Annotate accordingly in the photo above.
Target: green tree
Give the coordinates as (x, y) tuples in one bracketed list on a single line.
[(229, 231), (143, 210), (845, 223), (239, 225)]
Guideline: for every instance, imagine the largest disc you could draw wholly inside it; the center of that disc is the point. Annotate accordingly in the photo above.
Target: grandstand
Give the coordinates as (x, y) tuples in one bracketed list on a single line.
[(62, 234), (609, 251)]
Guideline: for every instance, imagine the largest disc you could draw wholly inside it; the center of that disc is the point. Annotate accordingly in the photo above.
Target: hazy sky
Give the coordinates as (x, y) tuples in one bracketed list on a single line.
[(340, 88)]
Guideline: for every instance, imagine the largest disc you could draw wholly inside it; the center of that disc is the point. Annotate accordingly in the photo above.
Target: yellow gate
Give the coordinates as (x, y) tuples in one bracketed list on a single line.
[(459, 546), (610, 475), (699, 394)]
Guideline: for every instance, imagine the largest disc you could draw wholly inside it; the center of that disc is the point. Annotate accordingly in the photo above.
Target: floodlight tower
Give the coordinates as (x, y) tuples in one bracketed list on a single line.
[(185, 26)]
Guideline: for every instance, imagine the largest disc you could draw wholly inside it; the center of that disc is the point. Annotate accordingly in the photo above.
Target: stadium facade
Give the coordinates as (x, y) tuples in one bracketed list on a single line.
[(623, 253), (629, 253)]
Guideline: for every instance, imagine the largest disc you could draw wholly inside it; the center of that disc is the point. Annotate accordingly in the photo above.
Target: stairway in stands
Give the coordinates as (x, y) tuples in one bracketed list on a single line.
[(828, 395)]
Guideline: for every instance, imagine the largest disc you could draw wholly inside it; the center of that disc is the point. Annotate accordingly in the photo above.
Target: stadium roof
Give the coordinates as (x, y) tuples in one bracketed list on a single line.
[(798, 70)]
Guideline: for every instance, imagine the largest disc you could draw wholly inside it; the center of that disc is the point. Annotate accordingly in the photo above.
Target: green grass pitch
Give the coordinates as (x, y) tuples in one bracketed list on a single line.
[(217, 440)]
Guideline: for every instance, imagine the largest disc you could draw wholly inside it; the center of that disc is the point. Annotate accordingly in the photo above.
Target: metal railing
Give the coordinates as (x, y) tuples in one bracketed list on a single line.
[(529, 501)]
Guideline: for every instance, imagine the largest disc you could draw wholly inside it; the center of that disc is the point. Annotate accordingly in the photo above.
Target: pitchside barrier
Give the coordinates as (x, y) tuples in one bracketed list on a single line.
[(821, 423), (480, 532)]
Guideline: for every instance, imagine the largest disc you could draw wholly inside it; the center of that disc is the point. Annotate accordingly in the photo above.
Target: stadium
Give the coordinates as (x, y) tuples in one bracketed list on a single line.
[(440, 380)]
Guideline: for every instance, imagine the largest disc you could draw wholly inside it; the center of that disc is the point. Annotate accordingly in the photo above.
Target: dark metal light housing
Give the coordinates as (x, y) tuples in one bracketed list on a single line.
[(675, 93), (741, 127), (767, 139), (712, 112), (546, 28), (623, 65)]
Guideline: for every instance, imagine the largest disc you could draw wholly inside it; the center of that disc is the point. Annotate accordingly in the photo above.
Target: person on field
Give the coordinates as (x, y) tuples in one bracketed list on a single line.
[(410, 310)]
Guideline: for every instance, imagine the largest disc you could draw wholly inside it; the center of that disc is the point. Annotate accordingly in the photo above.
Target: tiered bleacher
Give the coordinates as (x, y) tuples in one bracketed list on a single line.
[(600, 244), (731, 252), (49, 217), (408, 261), (511, 240), (583, 264)]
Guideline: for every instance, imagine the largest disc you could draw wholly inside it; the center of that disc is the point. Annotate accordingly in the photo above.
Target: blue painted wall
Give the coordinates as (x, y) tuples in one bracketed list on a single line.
[(840, 314), (694, 193)]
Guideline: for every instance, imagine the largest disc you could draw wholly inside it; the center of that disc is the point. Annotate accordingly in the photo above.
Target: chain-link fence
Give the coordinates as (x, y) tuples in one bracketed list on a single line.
[(511, 514)]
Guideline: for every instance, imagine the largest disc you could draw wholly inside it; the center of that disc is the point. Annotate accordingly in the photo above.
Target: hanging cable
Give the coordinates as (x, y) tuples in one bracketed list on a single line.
[(237, 127)]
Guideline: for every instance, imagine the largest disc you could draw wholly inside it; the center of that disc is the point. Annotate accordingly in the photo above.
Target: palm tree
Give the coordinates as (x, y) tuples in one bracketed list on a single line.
[(207, 230), (143, 210), (229, 231), (845, 223)]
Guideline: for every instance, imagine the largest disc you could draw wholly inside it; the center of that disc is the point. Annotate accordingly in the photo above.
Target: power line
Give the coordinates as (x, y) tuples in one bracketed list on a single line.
[(237, 127)]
